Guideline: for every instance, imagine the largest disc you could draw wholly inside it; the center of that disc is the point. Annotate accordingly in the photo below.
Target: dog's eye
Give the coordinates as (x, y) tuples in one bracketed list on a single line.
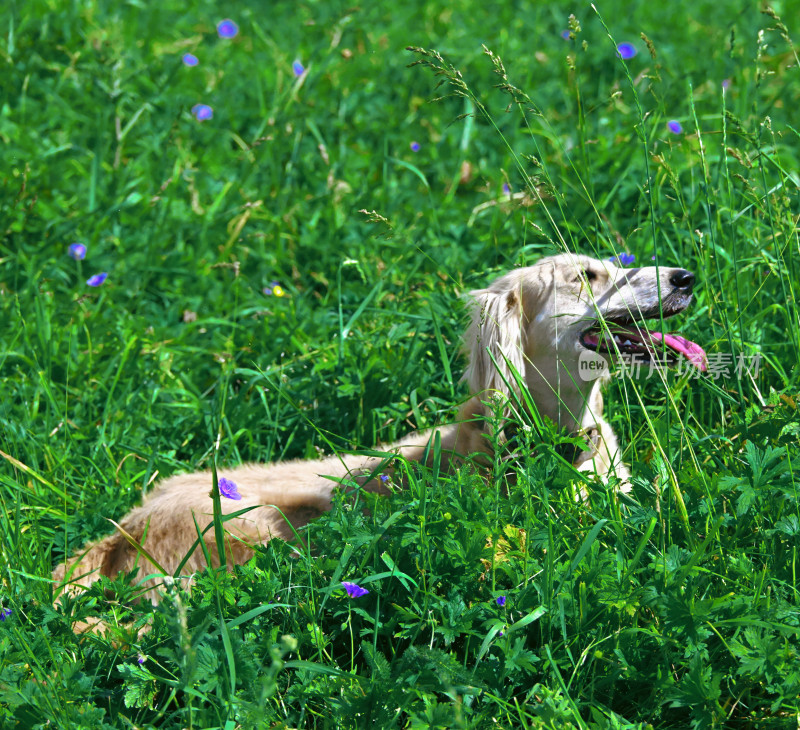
[(588, 277)]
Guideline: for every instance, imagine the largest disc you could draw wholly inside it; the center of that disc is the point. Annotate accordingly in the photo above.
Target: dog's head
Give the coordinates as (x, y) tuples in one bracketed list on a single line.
[(542, 319)]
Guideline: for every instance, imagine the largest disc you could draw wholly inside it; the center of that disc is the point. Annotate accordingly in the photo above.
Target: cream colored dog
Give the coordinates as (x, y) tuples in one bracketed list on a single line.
[(535, 325)]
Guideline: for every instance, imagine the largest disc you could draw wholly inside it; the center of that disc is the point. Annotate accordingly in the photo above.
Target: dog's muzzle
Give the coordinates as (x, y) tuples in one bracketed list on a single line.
[(619, 333)]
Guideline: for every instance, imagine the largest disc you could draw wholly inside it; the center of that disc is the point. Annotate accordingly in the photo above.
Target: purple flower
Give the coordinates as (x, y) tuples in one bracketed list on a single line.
[(726, 83), (5, 613), (298, 69), (354, 590), (506, 189), (501, 601), (565, 35), (77, 251), (414, 146), (227, 28), (623, 259), (228, 489), (141, 658), (384, 478), (653, 257), (626, 50), (267, 290), (97, 279), (674, 126), (189, 59), (201, 112)]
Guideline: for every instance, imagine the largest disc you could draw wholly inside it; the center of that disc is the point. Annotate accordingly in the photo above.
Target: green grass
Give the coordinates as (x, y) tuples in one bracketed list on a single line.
[(675, 608)]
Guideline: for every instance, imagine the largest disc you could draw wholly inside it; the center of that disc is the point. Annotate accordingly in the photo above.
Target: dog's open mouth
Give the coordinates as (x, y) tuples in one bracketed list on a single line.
[(649, 345)]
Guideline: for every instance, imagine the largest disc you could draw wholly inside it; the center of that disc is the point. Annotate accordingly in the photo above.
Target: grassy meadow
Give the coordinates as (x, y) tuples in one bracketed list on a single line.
[(285, 270)]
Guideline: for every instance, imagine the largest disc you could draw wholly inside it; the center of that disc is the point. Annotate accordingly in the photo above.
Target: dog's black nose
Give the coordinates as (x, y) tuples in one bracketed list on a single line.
[(682, 279)]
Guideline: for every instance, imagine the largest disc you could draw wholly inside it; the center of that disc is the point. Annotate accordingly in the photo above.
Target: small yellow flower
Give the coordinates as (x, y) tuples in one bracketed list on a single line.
[(278, 291)]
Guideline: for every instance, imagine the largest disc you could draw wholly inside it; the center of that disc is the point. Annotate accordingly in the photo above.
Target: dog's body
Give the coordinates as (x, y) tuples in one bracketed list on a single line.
[(531, 325)]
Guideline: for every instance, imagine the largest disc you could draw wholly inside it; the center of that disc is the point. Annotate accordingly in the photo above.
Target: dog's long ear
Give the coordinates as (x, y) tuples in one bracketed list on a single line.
[(494, 333)]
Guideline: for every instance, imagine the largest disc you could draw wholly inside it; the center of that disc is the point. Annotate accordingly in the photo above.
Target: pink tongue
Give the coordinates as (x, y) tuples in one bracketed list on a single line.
[(690, 350)]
